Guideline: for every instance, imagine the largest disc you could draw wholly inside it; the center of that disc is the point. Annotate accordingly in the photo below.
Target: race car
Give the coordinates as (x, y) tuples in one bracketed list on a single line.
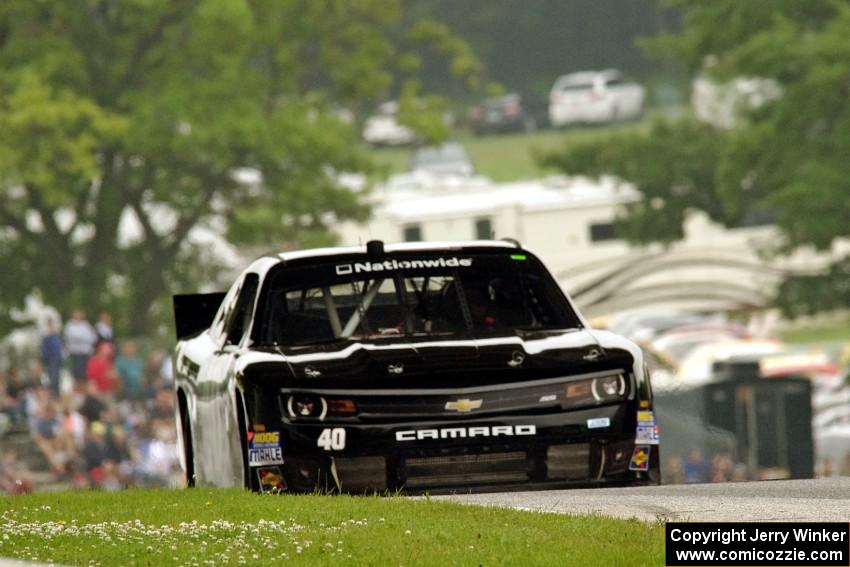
[(415, 367)]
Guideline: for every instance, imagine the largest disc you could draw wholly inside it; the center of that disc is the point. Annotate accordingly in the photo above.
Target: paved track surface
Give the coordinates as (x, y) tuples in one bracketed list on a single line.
[(781, 500)]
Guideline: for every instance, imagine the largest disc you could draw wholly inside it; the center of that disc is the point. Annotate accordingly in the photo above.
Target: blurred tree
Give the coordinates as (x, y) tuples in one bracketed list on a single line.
[(140, 114), (788, 156)]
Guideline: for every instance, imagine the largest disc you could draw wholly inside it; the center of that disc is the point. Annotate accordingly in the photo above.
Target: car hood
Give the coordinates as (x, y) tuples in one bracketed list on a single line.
[(429, 363)]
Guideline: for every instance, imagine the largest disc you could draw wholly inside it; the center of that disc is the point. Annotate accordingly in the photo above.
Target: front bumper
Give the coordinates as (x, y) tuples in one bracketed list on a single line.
[(566, 448)]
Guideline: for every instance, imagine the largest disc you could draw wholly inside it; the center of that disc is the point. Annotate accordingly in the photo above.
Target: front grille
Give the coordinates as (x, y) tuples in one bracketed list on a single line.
[(458, 470), (543, 396), (568, 462), (362, 474)]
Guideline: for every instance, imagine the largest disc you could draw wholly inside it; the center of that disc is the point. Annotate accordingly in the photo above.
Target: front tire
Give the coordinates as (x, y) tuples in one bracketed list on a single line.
[(186, 435), (242, 421)]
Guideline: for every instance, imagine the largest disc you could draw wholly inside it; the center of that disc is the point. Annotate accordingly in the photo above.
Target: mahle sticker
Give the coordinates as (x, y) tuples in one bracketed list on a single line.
[(264, 448)]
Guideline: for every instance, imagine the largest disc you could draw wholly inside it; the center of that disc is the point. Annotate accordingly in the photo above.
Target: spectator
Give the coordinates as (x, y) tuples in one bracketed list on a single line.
[(73, 423), (696, 467), (100, 370), (95, 451), (51, 354), (92, 407), (675, 471), (159, 371), (36, 376), (166, 372), (14, 477), (160, 460), (104, 328), (111, 479), (47, 434), (80, 339), (130, 369), (11, 397), (722, 468), (122, 452), (163, 405)]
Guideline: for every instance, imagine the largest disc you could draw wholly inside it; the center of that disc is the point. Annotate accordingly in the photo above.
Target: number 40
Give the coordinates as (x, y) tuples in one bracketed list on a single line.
[(332, 439)]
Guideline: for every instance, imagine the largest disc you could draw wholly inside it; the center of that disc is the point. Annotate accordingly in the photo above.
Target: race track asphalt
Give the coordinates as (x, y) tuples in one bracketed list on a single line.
[(778, 500)]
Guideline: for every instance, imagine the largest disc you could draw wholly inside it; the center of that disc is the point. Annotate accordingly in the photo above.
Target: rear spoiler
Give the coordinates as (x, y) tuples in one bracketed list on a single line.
[(194, 312)]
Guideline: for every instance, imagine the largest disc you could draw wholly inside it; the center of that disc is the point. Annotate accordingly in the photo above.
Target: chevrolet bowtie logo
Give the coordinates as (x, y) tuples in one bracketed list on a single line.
[(464, 405)]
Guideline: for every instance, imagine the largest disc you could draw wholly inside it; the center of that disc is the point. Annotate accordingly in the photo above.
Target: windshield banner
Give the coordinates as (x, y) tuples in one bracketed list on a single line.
[(388, 265)]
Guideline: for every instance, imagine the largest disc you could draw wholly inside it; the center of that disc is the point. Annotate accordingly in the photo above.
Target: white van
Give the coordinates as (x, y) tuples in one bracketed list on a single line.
[(595, 97)]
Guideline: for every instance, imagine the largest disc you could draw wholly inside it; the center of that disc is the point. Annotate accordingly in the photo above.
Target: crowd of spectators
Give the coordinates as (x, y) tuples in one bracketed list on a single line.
[(97, 413)]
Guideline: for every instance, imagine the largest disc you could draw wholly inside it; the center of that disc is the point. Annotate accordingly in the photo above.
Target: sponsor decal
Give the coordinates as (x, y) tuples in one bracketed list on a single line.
[(464, 406), (389, 265), (264, 448), (598, 423), (265, 439), (271, 479), (645, 418), (647, 435), (640, 458), (647, 429), (270, 456), (465, 432)]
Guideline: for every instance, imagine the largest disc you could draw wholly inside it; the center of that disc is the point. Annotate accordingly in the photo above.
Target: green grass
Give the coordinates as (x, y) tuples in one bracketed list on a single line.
[(826, 333), (506, 157), (232, 527)]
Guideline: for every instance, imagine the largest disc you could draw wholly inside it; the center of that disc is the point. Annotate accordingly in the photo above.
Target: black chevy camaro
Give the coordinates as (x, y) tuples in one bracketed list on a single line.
[(432, 367)]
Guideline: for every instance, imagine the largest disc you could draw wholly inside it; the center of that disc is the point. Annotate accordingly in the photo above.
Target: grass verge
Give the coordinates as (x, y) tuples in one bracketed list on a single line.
[(839, 331), (232, 527), (507, 157)]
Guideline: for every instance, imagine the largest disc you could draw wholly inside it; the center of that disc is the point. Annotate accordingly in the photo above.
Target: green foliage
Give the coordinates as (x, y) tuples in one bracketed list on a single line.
[(673, 165), (806, 295), (789, 155), (144, 109)]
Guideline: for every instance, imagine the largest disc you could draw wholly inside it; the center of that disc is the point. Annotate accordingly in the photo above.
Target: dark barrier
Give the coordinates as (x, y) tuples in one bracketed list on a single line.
[(737, 429)]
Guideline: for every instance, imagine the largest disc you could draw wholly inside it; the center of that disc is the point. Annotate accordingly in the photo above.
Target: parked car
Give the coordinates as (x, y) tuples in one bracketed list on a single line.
[(383, 128), (595, 97), (416, 366), (500, 114), (449, 158)]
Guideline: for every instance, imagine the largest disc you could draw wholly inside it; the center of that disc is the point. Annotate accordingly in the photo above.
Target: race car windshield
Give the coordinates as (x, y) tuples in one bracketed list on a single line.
[(416, 296)]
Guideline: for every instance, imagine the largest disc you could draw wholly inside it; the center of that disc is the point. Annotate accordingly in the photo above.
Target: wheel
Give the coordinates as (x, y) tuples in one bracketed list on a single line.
[(241, 420), (186, 434)]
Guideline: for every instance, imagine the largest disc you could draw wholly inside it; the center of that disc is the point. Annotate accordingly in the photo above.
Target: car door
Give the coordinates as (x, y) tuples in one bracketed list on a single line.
[(217, 437)]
